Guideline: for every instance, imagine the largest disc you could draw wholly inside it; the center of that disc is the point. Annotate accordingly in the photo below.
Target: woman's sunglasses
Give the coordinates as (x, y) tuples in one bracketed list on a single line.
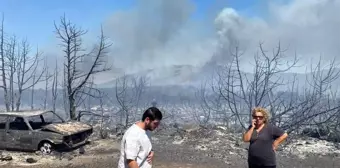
[(258, 117)]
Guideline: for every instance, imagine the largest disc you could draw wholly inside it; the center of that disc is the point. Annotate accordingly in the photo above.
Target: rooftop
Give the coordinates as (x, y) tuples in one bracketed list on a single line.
[(24, 113)]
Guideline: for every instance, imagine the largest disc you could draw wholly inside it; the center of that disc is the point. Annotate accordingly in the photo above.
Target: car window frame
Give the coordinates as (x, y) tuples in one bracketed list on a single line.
[(12, 118)]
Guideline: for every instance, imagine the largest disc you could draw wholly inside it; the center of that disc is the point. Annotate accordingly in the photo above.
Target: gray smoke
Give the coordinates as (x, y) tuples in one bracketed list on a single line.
[(156, 34), (161, 34), (307, 27)]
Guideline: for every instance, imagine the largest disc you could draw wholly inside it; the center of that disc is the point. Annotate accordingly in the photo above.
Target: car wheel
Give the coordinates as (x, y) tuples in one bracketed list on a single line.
[(46, 148)]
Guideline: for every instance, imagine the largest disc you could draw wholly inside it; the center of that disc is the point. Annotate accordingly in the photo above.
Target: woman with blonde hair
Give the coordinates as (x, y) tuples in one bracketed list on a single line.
[(264, 139)]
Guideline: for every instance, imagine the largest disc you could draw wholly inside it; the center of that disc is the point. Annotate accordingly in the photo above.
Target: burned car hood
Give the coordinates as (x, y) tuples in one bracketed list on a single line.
[(68, 128)]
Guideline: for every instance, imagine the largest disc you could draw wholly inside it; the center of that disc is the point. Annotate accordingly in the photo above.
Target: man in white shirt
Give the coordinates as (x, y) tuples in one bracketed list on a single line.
[(136, 148)]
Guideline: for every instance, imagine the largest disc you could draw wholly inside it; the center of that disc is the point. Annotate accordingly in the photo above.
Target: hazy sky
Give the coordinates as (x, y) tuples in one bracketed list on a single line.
[(161, 33), (34, 18)]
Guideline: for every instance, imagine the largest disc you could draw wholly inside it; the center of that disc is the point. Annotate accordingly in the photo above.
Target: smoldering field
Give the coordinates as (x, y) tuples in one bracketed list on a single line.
[(205, 75)]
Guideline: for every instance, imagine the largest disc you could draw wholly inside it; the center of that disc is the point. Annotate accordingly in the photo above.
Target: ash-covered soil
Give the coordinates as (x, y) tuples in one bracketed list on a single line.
[(191, 147), (217, 146)]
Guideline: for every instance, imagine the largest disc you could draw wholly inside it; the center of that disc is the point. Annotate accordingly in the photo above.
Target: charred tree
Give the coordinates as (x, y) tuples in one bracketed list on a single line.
[(76, 75)]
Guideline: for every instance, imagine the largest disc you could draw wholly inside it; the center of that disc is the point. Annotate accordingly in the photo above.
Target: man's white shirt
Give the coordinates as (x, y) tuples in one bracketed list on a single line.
[(136, 144)]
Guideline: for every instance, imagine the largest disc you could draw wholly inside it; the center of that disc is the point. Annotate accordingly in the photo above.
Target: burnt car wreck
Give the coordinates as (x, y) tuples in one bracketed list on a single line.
[(41, 130)]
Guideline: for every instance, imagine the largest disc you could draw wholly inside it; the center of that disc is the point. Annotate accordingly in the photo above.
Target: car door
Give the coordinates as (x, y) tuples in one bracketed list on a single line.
[(18, 134), (3, 121)]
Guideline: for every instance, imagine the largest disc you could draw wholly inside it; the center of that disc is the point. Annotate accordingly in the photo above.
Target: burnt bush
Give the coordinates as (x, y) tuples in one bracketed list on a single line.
[(322, 133)]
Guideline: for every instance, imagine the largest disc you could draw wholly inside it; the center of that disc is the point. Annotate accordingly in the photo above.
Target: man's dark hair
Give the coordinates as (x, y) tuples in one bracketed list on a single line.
[(153, 113)]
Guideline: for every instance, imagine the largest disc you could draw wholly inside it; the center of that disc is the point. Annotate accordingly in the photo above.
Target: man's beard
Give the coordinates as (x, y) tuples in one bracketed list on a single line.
[(148, 127)]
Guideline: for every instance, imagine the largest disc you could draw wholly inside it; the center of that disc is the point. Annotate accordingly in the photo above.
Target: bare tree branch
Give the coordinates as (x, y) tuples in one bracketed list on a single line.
[(291, 108), (75, 77)]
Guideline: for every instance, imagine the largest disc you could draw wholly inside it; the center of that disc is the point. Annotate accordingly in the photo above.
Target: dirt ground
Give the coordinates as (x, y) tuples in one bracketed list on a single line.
[(105, 153), (105, 162)]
